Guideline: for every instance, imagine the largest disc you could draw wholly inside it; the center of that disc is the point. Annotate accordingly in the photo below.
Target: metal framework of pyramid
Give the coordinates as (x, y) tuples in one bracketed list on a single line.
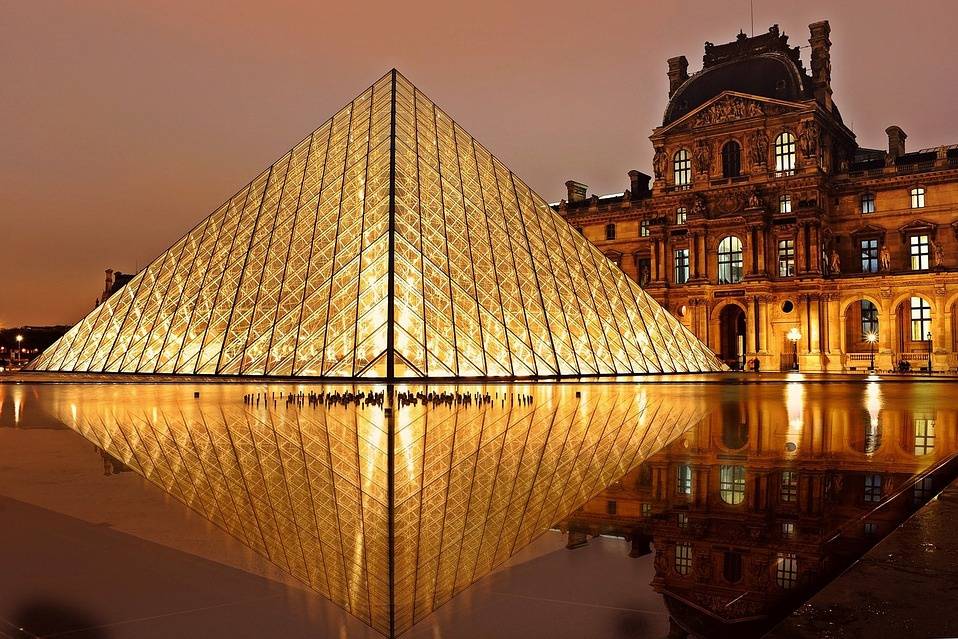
[(387, 244)]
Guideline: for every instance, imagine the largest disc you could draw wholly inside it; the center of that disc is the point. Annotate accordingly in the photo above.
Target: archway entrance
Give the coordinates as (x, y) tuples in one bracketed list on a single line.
[(914, 334), (732, 336)]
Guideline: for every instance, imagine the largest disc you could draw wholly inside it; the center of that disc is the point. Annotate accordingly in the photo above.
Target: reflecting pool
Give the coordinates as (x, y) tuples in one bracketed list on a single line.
[(743, 498)]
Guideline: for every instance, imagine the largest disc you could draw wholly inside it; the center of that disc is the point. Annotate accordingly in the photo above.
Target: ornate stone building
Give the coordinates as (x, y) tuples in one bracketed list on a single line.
[(772, 234)]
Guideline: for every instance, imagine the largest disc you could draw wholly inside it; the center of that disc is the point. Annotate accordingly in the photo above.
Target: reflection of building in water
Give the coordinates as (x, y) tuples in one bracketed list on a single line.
[(744, 530)]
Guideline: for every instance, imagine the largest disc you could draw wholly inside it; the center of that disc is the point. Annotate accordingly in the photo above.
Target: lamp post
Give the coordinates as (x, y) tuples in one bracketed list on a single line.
[(19, 339), (930, 350), (793, 336), (871, 338)]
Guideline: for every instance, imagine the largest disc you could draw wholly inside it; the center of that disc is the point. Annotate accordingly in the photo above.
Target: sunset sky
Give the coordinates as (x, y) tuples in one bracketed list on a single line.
[(125, 123)]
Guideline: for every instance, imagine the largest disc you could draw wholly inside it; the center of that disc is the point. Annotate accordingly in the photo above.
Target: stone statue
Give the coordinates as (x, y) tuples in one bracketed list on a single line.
[(939, 254), (660, 163), (753, 201), (884, 258), (699, 208), (760, 148), (834, 262), (644, 276), (703, 156), (808, 138)]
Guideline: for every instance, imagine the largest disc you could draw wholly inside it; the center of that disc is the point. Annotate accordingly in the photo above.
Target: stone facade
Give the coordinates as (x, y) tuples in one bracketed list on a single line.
[(766, 221)]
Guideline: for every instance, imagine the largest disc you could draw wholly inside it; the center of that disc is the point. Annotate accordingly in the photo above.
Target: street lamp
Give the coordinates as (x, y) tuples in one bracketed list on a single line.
[(793, 336), (19, 339), (930, 350), (871, 338)]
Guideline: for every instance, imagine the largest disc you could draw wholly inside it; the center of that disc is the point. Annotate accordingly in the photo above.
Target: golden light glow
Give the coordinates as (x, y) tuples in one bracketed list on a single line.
[(389, 209)]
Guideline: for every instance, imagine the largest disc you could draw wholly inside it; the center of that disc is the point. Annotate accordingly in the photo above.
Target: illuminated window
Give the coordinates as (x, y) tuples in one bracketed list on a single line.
[(682, 519), (785, 154), (868, 203), (682, 168), (869, 253), (786, 258), (646, 510), (785, 204), (610, 231), (732, 484), (611, 507), (644, 228), (786, 573), (683, 476), (872, 488), (731, 159), (919, 250), (683, 558), (918, 198), (681, 266), (924, 436), (730, 260), (789, 486), (920, 320), (788, 529), (869, 314), (681, 214)]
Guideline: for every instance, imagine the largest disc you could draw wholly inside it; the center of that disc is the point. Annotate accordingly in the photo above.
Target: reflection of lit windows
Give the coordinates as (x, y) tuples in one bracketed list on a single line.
[(730, 260), (646, 510), (785, 154), (682, 168), (732, 484), (924, 436), (871, 528), (683, 558), (924, 488), (732, 567), (920, 319), (789, 486), (786, 573), (682, 519), (872, 488), (919, 250), (683, 479), (788, 529), (611, 507)]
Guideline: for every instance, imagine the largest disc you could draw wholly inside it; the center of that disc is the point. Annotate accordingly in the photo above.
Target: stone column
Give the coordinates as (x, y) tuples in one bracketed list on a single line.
[(654, 260), (694, 254)]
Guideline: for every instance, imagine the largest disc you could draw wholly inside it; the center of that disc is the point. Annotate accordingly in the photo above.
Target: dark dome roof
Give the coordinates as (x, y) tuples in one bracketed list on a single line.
[(769, 75)]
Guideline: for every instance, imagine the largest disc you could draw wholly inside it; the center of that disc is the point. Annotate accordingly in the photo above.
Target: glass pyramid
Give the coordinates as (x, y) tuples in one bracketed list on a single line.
[(387, 513), (387, 244)]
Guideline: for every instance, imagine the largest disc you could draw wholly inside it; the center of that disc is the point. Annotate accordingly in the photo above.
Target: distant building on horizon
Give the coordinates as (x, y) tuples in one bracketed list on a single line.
[(767, 221)]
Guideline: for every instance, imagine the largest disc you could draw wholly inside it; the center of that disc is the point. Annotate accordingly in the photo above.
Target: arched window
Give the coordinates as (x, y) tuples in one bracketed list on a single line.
[(785, 153), (730, 260), (732, 484), (920, 319), (682, 168), (731, 159), (869, 314)]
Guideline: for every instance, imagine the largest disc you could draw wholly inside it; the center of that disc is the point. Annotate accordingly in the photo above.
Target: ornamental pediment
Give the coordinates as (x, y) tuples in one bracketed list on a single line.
[(727, 107)]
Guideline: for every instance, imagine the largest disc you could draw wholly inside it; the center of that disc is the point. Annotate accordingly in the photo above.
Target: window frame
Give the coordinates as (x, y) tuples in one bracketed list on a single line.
[(786, 257), (786, 153), (683, 558), (788, 487), (729, 259), (732, 484), (680, 261), (681, 215), (683, 483), (923, 320), (610, 231), (785, 203), (867, 201), (786, 570), (731, 159), (916, 197), (869, 251), (919, 251), (682, 168), (873, 488), (924, 435), (868, 317)]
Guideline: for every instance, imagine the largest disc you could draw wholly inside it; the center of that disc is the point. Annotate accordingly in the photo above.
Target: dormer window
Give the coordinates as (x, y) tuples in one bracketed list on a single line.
[(785, 156), (868, 203), (918, 197), (682, 168)]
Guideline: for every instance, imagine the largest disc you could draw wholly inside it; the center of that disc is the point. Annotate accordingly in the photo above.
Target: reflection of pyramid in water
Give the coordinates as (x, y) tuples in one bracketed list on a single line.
[(308, 487), (388, 243)]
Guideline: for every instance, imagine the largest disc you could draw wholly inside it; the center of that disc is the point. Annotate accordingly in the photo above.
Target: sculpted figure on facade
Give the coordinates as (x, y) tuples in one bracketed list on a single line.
[(703, 156), (727, 110), (660, 163), (884, 258), (834, 263), (759, 148), (808, 138), (700, 207), (753, 200), (939, 254)]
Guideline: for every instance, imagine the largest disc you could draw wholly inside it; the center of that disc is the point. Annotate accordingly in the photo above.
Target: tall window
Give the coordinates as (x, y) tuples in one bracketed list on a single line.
[(644, 228), (869, 317), (730, 260), (611, 507), (920, 319), (732, 567), (732, 484), (681, 215), (682, 520), (683, 480), (924, 436), (610, 231), (681, 266), (868, 203), (786, 258), (785, 154), (682, 168), (872, 488), (731, 159), (918, 197), (924, 488), (869, 256), (785, 204), (683, 558), (920, 251), (789, 486), (786, 572)]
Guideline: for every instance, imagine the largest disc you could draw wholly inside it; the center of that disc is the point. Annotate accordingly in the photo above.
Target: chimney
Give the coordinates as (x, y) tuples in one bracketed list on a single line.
[(896, 141), (678, 73), (109, 283), (639, 183), (577, 191), (821, 63)]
